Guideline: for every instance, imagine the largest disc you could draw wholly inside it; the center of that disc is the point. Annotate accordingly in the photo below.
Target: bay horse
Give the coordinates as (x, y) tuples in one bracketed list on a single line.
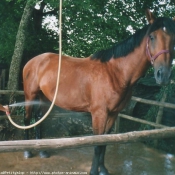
[(102, 83)]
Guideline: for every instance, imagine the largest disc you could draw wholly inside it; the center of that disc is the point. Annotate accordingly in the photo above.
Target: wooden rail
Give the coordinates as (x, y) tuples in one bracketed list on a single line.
[(142, 121), (135, 136), (141, 100), (93, 140), (10, 91), (152, 102)]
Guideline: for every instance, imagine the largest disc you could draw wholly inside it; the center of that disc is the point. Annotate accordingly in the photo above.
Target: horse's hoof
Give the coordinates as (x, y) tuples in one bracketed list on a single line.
[(93, 173), (27, 154), (103, 171), (44, 154)]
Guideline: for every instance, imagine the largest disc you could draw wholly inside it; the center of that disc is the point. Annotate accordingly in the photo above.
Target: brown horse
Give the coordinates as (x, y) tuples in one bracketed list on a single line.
[(102, 83)]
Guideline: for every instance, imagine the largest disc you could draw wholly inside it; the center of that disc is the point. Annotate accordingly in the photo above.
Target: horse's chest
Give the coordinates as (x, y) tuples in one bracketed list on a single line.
[(119, 100)]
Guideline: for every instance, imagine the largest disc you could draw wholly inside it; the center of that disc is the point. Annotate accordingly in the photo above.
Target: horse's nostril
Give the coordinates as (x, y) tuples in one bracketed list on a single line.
[(159, 72)]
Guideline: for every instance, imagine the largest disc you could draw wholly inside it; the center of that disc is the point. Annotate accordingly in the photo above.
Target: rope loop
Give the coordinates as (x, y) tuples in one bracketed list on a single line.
[(57, 83)]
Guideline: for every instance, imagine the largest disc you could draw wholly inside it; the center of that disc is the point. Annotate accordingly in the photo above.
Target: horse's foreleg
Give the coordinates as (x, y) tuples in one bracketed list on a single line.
[(99, 119), (109, 124), (103, 170), (98, 151), (101, 125)]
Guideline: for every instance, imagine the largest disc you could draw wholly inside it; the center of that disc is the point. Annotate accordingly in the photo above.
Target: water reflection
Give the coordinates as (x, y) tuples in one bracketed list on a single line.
[(127, 167), (138, 159), (144, 173), (168, 164)]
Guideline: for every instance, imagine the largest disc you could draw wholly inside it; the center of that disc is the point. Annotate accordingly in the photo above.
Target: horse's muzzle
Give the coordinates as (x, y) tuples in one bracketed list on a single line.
[(162, 76)]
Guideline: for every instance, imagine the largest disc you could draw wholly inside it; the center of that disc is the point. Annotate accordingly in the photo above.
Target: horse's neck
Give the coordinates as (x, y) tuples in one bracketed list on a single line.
[(134, 65)]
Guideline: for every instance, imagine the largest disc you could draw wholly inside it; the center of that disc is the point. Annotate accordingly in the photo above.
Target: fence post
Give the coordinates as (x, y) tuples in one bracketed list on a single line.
[(160, 115), (117, 125)]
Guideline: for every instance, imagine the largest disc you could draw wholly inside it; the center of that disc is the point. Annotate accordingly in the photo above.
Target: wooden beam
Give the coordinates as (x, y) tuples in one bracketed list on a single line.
[(10, 91), (152, 102), (142, 121), (136, 136)]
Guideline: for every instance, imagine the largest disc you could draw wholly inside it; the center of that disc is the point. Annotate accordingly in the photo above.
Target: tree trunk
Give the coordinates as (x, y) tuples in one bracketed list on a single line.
[(13, 83)]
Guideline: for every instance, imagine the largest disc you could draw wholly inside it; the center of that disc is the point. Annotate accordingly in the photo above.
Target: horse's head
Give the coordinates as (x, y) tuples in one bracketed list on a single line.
[(160, 46)]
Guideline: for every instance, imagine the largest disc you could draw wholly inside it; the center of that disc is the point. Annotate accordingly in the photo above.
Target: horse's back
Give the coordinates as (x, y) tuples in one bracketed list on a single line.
[(40, 74), (47, 62)]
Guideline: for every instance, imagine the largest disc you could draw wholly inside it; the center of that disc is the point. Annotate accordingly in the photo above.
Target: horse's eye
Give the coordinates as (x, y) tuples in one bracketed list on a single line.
[(151, 37)]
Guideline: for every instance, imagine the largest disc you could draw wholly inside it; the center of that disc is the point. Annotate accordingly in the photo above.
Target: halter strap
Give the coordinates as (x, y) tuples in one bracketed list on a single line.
[(153, 58)]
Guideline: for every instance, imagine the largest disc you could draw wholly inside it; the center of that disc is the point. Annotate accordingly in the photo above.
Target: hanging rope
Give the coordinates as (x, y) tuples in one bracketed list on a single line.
[(57, 83)]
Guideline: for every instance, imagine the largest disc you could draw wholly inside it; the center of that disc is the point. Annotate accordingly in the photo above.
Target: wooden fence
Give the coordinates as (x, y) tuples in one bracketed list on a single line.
[(136, 136), (137, 99), (96, 140), (150, 102)]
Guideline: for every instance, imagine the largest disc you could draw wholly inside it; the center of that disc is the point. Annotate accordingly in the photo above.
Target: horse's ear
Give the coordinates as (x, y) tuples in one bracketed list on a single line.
[(150, 16)]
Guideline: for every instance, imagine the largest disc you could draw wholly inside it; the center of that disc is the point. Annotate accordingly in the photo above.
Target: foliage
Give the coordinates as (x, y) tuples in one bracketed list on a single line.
[(88, 25), (10, 17), (94, 25)]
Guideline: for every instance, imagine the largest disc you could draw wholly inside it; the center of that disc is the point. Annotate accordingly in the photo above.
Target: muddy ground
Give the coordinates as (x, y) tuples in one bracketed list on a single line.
[(121, 159)]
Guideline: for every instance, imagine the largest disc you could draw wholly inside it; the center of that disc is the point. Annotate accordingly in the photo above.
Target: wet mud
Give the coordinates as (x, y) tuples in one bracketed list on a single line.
[(121, 159)]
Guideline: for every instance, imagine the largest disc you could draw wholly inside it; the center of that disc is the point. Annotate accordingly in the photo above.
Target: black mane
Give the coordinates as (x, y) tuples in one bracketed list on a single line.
[(127, 46)]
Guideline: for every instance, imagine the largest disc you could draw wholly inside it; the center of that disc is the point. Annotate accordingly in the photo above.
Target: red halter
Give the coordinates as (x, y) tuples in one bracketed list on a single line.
[(152, 58)]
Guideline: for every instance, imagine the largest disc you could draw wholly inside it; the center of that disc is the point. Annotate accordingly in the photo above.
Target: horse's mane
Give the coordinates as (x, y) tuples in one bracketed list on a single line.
[(125, 47)]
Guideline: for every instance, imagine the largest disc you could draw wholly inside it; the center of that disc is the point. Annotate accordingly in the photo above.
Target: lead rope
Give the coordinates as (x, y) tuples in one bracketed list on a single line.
[(57, 83)]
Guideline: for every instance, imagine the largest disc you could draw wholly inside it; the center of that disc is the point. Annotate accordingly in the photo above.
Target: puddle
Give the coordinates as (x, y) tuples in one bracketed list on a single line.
[(121, 159)]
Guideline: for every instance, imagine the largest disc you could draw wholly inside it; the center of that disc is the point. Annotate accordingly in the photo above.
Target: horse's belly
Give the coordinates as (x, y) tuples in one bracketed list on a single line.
[(69, 99)]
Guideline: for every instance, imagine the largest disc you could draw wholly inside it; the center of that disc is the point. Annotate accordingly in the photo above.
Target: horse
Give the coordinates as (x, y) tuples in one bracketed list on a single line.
[(102, 83)]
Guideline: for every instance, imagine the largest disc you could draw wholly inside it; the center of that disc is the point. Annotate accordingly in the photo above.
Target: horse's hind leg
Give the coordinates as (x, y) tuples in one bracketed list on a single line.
[(27, 154), (38, 129), (38, 115), (31, 90)]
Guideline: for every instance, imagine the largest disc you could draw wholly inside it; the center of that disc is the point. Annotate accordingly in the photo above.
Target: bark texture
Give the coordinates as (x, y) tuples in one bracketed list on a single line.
[(13, 82)]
